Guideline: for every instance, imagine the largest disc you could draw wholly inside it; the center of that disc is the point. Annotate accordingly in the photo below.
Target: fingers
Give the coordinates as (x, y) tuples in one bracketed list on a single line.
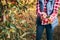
[(49, 21), (43, 15)]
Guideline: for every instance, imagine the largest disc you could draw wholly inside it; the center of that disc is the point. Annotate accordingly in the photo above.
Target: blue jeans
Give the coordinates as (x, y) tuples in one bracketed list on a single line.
[(40, 29)]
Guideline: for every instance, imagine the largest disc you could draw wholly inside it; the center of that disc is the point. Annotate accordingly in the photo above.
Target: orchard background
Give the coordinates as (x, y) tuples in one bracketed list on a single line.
[(18, 20)]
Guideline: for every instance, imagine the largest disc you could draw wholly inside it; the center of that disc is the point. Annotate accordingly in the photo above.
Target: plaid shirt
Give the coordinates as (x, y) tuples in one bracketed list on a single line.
[(52, 16)]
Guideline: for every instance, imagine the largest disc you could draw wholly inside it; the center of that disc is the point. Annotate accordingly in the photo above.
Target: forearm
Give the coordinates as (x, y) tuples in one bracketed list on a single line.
[(38, 12), (55, 11)]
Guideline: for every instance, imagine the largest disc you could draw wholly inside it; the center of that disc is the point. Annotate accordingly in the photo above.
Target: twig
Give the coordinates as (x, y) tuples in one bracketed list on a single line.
[(25, 34)]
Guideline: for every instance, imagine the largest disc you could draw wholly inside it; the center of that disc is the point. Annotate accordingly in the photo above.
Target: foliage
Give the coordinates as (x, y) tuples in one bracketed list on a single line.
[(18, 19)]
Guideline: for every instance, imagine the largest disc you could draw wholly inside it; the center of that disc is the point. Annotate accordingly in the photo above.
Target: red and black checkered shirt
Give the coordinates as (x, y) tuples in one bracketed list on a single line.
[(53, 15)]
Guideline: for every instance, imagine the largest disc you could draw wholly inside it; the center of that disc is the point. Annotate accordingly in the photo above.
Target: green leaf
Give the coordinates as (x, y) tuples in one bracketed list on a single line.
[(26, 25), (12, 26)]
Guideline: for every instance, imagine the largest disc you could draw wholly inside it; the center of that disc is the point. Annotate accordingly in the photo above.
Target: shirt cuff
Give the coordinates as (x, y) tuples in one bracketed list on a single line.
[(53, 16)]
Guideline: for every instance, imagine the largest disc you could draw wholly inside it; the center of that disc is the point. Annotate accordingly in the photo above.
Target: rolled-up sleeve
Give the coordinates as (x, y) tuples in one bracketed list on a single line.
[(55, 11), (38, 9)]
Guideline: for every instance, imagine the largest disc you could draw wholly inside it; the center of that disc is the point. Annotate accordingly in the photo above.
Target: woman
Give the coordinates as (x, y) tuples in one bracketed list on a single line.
[(47, 11)]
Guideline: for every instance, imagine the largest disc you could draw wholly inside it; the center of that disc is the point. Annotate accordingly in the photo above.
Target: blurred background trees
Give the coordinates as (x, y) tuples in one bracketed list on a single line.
[(18, 19)]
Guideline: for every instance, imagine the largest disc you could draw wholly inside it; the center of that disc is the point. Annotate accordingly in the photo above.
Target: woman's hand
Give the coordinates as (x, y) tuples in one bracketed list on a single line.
[(43, 15), (49, 21)]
